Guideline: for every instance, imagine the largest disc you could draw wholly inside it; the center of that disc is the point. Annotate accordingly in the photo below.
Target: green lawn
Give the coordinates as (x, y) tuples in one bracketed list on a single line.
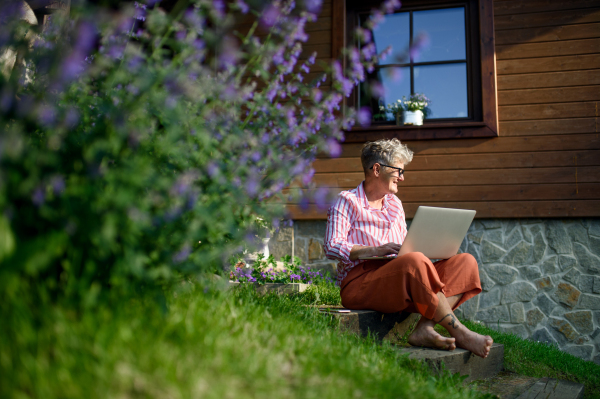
[(522, 356), (202, 344)]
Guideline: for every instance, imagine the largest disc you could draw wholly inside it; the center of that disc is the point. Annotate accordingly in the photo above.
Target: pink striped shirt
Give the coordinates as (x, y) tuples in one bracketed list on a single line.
[(352, 221)]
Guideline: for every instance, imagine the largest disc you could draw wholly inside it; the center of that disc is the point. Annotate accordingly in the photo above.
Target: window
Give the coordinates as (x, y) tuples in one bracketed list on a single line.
[(456, 69)]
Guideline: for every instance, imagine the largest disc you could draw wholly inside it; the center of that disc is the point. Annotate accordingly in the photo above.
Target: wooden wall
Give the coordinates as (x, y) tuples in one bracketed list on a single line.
[(546, 162)]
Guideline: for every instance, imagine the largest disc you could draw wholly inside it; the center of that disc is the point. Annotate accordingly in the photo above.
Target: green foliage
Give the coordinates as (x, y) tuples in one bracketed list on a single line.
[(205, 343), (265, 271)]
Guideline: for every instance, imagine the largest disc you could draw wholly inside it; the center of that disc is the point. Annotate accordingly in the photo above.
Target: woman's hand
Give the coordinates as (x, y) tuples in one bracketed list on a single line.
[(358, 251), (391, 248)]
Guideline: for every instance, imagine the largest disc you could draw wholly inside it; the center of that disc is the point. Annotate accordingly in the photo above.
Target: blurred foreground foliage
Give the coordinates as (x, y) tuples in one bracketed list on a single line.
[(139, 144)]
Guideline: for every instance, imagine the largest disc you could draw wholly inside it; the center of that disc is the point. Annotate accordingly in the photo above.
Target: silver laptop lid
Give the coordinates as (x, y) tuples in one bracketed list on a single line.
[(437, 232)]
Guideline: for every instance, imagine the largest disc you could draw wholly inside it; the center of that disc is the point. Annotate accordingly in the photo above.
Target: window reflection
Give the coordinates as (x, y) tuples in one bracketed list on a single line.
[(445, 30), (395, 32), (446, 86)]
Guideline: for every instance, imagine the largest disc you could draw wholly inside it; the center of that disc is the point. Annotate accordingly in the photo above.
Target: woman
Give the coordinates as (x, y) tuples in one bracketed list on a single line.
[(369, 221)]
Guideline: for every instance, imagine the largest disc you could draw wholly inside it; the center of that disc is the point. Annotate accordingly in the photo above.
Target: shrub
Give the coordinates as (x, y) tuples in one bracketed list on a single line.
[(138, 143)]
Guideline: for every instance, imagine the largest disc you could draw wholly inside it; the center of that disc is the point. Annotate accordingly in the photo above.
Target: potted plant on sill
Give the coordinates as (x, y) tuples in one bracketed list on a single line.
[(395, 109), (414, 109)]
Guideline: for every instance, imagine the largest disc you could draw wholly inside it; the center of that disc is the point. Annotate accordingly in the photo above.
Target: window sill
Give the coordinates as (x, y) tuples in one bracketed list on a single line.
[(428, 131)]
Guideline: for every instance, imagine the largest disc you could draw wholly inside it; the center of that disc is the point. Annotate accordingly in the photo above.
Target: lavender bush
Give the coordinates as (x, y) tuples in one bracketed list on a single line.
[(141, 142)]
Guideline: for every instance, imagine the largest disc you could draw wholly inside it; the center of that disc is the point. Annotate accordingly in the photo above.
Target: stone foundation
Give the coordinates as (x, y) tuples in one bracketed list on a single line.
[(540, 277)]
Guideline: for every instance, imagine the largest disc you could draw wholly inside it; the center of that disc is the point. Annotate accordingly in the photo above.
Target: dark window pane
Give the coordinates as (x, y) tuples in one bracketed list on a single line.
[(446, 32), (446, 86), (395, 32)]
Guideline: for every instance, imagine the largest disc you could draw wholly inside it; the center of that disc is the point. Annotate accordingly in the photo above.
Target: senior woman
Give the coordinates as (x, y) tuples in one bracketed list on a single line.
[(369, 221)]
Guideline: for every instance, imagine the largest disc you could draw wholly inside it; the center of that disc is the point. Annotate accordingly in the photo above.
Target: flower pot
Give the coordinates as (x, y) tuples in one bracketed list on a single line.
[(413, 117), (399, 119)]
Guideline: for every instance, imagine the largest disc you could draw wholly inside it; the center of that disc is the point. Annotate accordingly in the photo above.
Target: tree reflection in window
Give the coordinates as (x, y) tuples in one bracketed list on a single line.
[(438, 68)]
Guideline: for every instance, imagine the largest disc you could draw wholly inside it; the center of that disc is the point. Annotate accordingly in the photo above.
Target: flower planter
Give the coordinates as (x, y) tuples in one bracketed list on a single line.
[(413, 118)]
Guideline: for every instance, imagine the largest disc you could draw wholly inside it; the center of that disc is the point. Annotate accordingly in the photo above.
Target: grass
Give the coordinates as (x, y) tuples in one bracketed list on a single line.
[(537, 359), (203, 343), (522, 356)]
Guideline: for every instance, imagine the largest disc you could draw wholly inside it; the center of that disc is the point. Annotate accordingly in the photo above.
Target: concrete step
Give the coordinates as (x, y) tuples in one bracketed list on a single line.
[(383, 326), (508, 385), (460, 361)]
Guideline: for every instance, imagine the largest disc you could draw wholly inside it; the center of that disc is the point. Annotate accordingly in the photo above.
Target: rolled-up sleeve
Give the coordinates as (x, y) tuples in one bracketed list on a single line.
[(338, 226)]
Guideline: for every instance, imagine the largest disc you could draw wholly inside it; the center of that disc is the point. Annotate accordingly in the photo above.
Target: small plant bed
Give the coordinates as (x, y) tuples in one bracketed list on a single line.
[(265, 271)]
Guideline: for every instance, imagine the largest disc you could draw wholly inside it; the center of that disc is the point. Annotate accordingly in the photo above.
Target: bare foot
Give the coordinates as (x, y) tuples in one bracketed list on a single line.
[(473, 342), (426, 336)]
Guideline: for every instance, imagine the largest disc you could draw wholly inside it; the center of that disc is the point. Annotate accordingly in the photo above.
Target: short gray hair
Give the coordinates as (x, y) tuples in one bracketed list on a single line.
[(386, 152)]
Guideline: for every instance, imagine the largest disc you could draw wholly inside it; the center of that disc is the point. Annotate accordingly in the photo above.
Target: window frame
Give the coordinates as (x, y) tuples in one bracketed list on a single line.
[(485, 122)]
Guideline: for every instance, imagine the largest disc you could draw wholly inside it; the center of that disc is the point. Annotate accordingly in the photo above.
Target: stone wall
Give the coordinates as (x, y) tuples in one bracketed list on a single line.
[(540, 277)]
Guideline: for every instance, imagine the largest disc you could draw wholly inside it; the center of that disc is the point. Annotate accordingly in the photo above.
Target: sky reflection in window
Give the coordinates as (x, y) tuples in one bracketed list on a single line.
[(446, 86), (445, 29), (395, 32)]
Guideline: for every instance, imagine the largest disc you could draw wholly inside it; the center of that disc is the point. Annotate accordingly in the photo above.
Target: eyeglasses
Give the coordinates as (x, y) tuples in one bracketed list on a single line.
[(400, 170)]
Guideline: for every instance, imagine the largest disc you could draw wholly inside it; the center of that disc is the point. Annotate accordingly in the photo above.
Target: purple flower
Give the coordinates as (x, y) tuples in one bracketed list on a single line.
[(182, 254), (229, 54), (385, 53), (194, 20), (334, 148), (420, 43), (242, 6), (219, 6), (313, 6), (364, 35), (38, 197), (377, 89), (312, 58), (58, 184), (46, 115), (86, 38), (395, 74), (391, 5), (270, 16), (252, 186), (363, 116), (320, 198)]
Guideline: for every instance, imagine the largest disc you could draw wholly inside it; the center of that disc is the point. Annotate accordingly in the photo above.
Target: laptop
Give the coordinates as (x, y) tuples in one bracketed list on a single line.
[(436, 232)]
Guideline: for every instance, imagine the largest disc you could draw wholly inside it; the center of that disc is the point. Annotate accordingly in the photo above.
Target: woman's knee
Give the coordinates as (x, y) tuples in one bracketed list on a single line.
[(416, 260)]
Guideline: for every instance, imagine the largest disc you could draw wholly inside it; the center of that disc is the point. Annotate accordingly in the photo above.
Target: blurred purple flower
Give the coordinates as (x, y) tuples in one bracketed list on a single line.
[(395, 74), (391, 5), (38, 197), (58, 184), (364, 35), (313, 6), (242, 6), (385, 53), (46, 115), (317, 95), (420, 43), (6, 99), (182, 254), (270, 16), (219, 6), (334, 148), (307, 177), (304, 203), (377, 89), (252, 186), (364, 116), (229, 52), (312, 58), (196, 21), (212, 169), (86, 37), (72, 67), (369, 51)]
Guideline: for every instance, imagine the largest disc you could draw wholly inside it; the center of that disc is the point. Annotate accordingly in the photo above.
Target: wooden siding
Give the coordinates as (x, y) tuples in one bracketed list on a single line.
[(546, 162)]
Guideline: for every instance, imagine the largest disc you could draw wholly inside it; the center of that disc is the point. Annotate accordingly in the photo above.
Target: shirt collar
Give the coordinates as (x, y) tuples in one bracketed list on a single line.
[(362, 198)]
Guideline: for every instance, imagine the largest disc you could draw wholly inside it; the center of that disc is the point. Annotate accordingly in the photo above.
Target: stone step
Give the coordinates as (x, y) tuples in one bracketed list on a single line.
[(460, 361), (383, 326), (508, 385)]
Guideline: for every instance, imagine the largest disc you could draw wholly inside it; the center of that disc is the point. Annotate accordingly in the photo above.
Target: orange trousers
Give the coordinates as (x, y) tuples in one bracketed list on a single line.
[(410, 283)]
